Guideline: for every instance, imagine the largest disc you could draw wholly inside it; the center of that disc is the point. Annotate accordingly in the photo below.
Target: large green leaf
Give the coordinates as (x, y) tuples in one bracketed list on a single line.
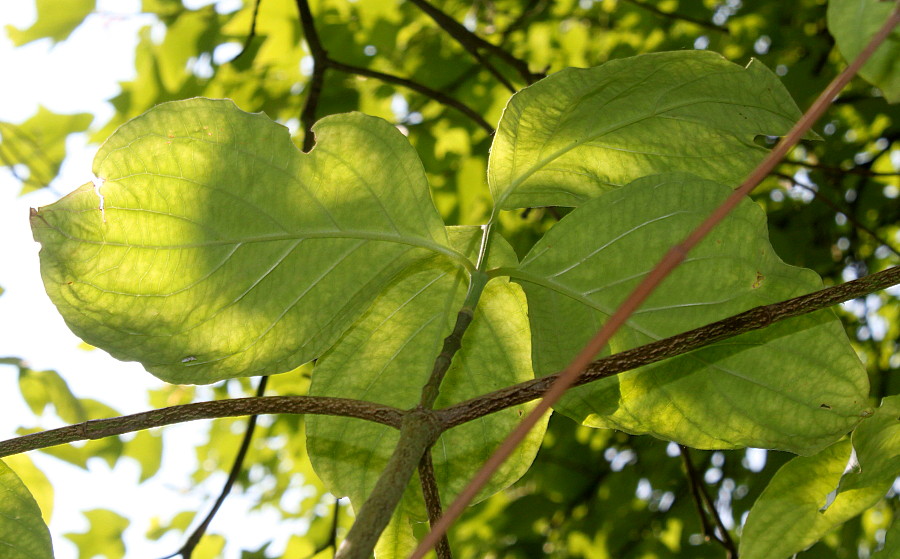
[(214, 248), (795, 510), (387, 357), (23, 534), (797, 385), (853, 23), (582, 132)]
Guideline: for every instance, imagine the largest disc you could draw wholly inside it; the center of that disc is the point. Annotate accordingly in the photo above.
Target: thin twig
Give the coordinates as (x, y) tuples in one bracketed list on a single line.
[(251, 35), (433, 501), (464, 39), (857, 170), (673, 15), (706, 507), (323, 62), (417, 87), (194, 539), (101, 428), (671, 260), (528, 11), (836, 208), (472, 41)]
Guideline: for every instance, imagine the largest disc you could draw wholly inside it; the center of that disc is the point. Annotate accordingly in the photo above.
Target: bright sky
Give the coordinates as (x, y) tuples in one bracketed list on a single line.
[(77, 76)]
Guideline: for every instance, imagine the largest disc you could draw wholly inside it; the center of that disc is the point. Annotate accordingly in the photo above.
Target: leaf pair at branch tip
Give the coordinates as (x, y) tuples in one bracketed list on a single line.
[(221, 251)]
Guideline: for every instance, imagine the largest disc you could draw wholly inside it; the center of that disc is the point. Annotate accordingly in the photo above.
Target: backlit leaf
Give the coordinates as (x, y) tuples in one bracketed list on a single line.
[(23, 534), (213, 248), (797, 385), (877, 445), (39, 145), (853, 23), (103, 537), (56, 20), (35, 480), (796, 510), (581, 132)]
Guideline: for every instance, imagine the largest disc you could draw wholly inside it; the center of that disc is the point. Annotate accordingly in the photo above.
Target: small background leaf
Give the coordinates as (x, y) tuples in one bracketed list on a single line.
[(39, 145), (23, 534), (103, 537), (56, 20), (853, 23), (877, 444), (791, 514)]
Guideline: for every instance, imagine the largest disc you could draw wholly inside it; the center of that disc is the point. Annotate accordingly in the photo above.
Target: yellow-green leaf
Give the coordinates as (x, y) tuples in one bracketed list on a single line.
[(23, 534), (210, 247), (797, 385), (582, 132)]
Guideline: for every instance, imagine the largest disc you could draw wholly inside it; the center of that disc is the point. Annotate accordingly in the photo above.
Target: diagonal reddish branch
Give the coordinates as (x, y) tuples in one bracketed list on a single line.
[(671, 260)]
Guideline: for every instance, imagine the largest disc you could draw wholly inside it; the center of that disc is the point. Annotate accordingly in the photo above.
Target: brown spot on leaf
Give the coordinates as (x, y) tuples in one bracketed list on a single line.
[(825, 407), (759, 280)]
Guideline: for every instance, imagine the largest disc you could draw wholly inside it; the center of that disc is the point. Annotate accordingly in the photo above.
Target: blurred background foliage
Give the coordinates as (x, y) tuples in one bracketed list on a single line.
[(832, 206)]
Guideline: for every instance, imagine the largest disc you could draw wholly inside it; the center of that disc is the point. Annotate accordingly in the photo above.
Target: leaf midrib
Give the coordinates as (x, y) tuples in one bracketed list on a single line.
[(419, 242)]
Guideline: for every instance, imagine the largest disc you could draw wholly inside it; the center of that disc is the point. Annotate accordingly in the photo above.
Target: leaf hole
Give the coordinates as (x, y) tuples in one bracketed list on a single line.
[(98, 183)]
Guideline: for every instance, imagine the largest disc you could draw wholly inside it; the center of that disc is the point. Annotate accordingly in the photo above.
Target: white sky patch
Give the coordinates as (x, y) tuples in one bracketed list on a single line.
[(69, 78)]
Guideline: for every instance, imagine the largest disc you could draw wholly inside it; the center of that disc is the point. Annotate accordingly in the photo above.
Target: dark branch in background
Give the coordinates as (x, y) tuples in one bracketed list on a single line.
[(533, 7), (433, 501), (473, 43), (332, 536), (706, 508), (857, 170), (252, 34), (673, 15), (454, 82), (417, 87), (754, 319), (464, 39), (836, 208), (101, 428), (322, 62), (191, 543)]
